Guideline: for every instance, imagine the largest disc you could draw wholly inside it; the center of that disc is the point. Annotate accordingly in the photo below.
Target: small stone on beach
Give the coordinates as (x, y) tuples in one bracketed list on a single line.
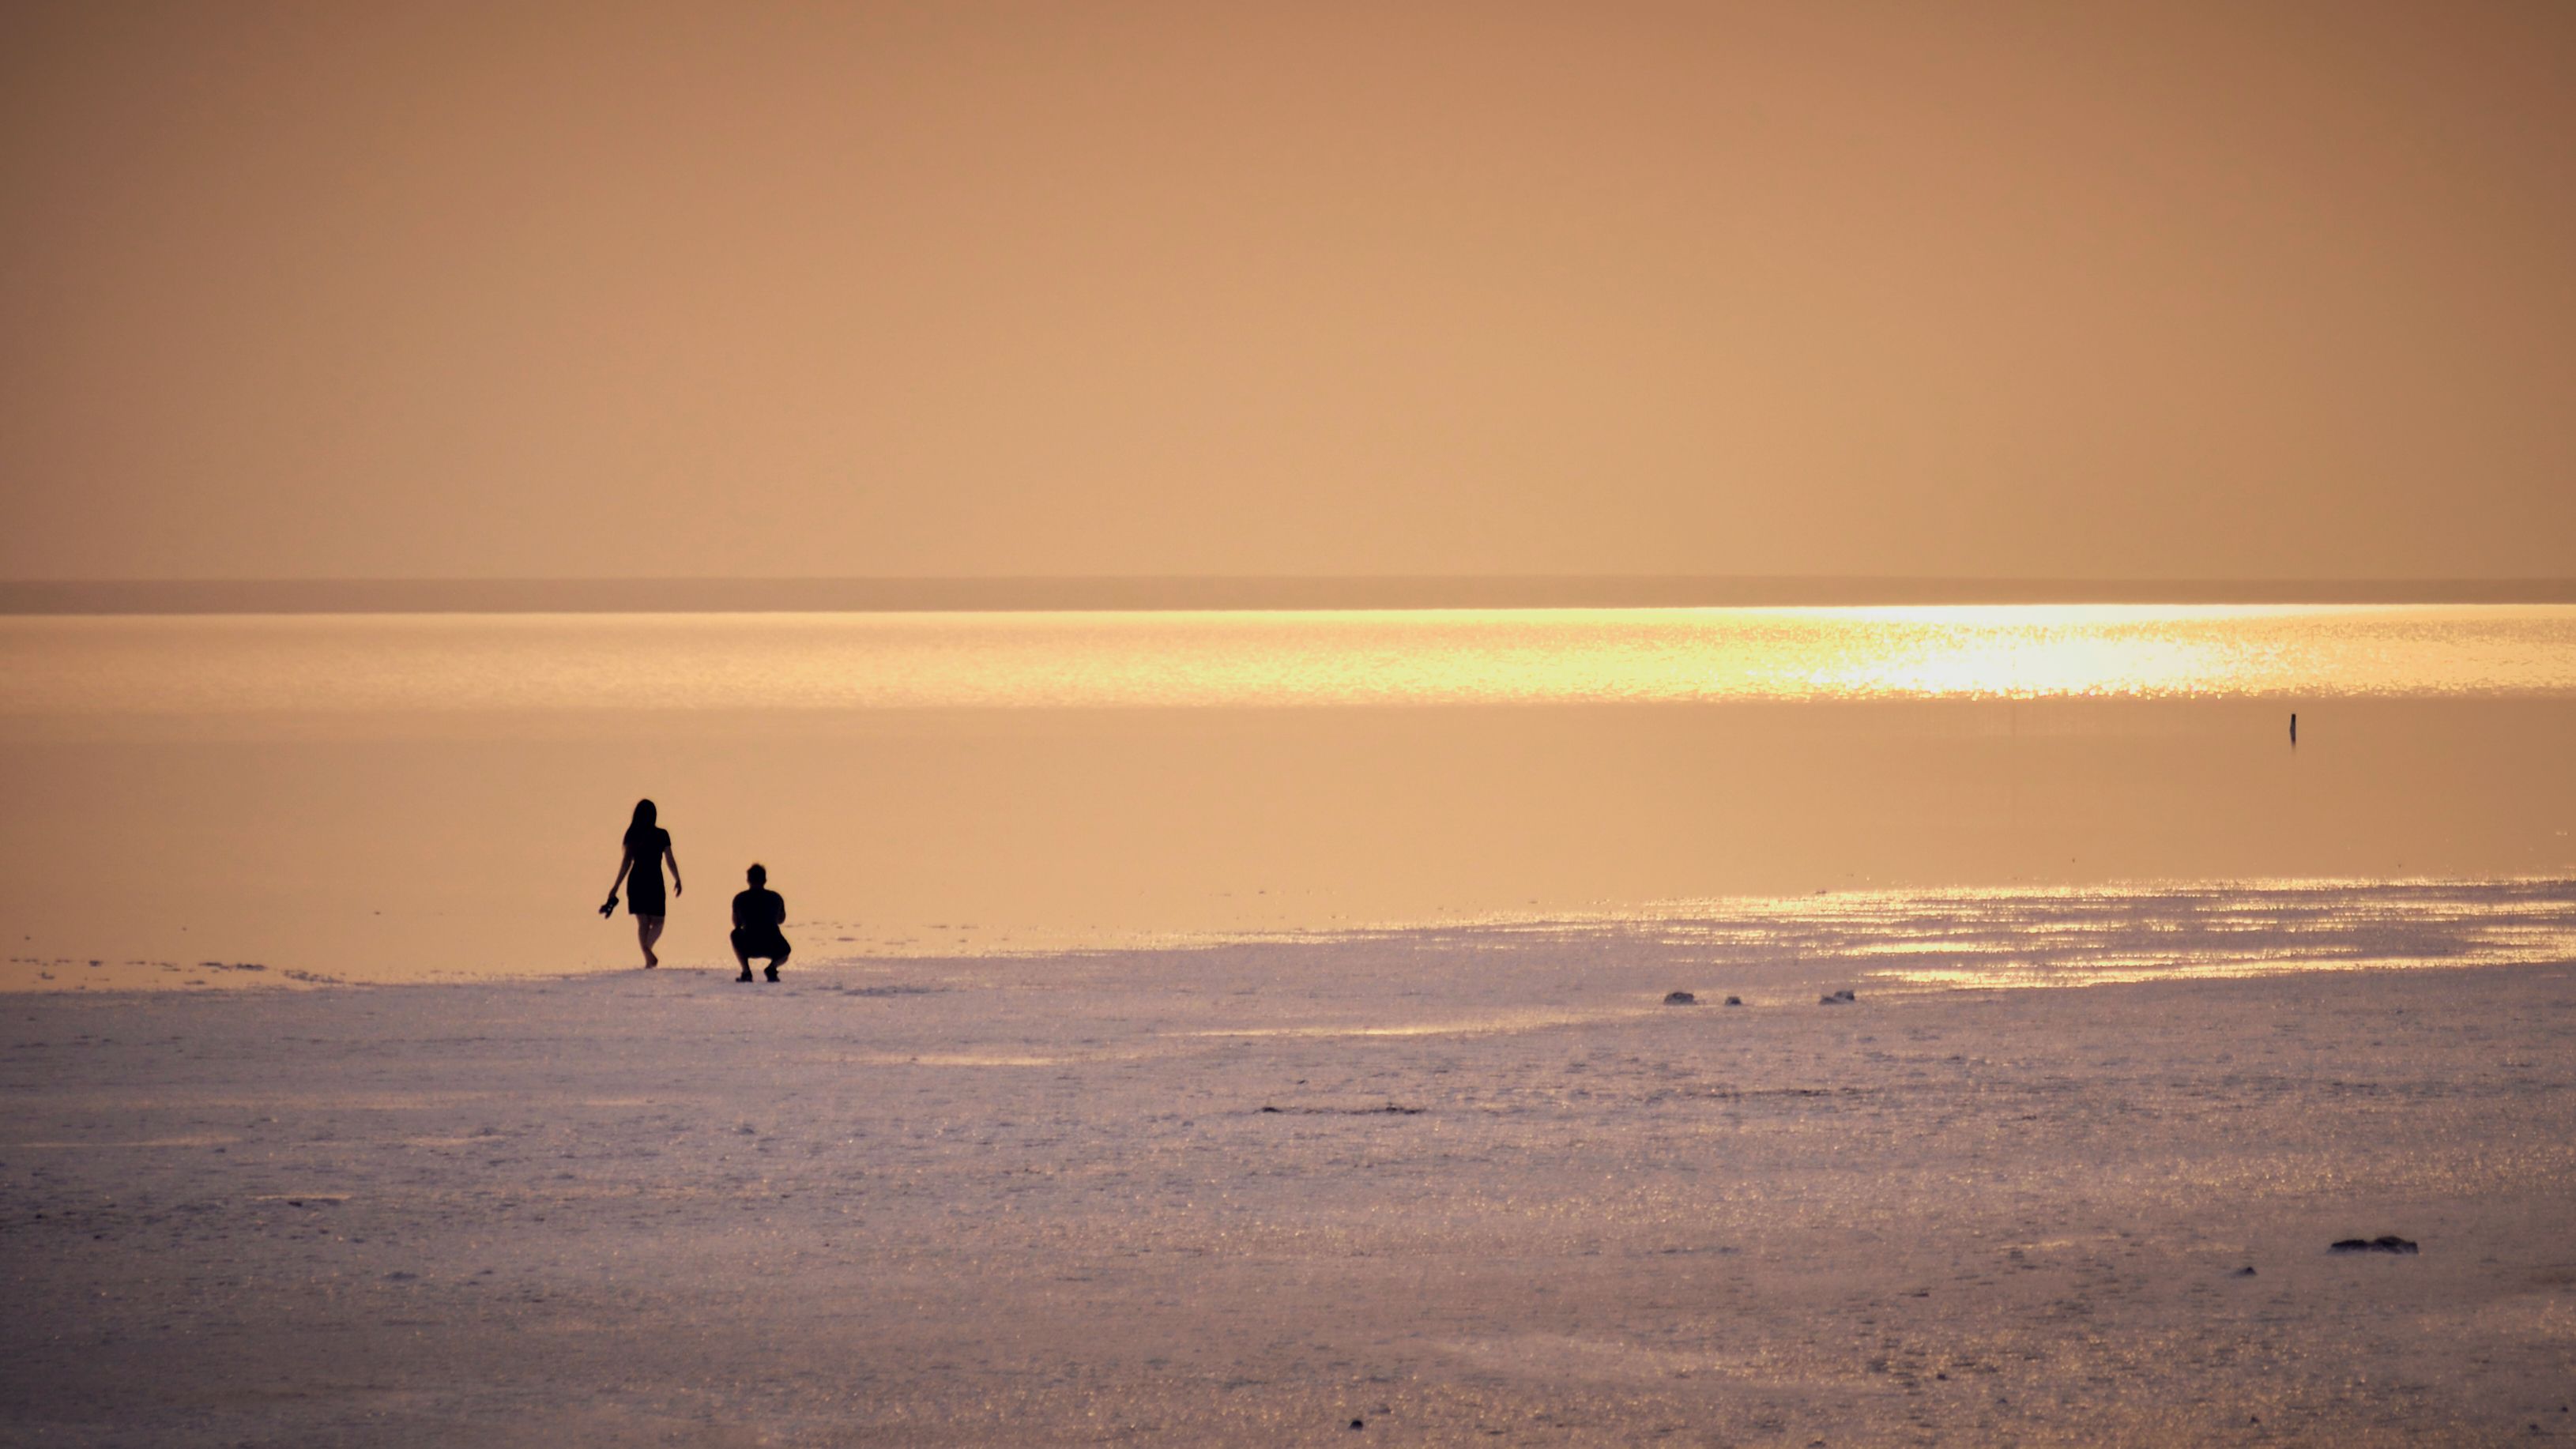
[(2386, 1243), (1676, 998)]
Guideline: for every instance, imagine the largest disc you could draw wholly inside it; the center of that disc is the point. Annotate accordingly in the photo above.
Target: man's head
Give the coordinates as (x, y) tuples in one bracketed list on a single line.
[(758, 875)]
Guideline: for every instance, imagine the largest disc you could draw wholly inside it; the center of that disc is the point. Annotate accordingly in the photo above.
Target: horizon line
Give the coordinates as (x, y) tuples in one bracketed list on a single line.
[(1178, 592)]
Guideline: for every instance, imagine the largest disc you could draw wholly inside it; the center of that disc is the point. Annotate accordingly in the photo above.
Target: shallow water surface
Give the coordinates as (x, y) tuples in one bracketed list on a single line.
[(266, 665), (393, 796)]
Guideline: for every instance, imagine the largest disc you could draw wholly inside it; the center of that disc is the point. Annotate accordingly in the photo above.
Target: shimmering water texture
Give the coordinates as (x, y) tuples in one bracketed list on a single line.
[(232, 664), (2098, 935), (398, 797)]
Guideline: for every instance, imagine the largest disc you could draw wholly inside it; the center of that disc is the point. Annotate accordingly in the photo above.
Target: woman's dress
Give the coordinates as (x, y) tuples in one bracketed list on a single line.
[(644, 882)]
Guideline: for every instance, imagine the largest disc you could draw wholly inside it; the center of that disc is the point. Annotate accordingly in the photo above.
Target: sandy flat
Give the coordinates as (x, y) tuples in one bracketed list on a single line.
[(1504, 1197)]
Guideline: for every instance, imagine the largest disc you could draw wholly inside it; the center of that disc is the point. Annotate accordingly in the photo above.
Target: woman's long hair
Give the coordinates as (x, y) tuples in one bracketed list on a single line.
[(639, 831)]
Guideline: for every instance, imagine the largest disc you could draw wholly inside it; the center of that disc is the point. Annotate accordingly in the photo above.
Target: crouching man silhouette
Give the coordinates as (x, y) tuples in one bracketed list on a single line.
[(757, 915)]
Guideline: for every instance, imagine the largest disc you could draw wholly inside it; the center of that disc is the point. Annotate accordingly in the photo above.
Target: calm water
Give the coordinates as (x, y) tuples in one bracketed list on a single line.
[(228, 666), (380, 796)]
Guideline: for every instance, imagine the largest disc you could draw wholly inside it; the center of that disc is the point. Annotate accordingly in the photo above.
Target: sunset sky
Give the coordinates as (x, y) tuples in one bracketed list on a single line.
[(1906, 289)]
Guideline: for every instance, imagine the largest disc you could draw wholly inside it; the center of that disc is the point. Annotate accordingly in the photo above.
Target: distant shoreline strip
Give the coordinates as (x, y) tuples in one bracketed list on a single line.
[(922, 595)]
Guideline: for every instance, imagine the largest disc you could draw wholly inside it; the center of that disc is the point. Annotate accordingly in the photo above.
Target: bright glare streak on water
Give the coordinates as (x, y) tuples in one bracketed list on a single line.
[(2099, 935), (2019, 937), (236, 664)]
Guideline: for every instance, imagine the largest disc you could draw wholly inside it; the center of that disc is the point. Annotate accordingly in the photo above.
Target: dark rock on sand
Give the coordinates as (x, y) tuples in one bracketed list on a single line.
[(2244, 1272), (2386, 1243), (1680, 998), (1836, 998), (1735, 1001)]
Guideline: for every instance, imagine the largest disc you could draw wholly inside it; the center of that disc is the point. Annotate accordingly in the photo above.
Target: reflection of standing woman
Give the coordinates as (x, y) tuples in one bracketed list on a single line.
[(640, 871)]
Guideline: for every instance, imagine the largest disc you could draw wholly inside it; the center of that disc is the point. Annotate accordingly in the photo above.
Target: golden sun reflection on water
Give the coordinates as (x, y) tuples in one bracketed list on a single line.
[(252, 664)]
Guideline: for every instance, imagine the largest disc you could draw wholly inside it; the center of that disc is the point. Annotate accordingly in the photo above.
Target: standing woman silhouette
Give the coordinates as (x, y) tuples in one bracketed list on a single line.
[(640, 871)]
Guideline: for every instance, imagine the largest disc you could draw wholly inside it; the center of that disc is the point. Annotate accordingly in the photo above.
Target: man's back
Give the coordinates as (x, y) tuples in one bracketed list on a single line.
[(759, 909)]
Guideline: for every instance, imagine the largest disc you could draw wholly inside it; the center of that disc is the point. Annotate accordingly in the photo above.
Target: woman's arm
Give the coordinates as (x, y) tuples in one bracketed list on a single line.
[(625, 862), (669, 855)]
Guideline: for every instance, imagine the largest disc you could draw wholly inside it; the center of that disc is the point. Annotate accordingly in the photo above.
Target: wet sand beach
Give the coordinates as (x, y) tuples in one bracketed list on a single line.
[(1465, 1186)]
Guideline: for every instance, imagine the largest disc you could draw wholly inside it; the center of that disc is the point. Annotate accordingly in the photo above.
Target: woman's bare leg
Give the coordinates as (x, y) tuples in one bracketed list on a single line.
[(648, 929)]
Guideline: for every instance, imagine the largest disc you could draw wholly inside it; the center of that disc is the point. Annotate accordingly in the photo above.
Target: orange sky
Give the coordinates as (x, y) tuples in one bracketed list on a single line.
[(355, 290)]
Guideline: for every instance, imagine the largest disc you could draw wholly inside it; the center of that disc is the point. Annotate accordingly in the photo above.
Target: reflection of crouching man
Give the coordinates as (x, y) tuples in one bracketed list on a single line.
[(757, 915)]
